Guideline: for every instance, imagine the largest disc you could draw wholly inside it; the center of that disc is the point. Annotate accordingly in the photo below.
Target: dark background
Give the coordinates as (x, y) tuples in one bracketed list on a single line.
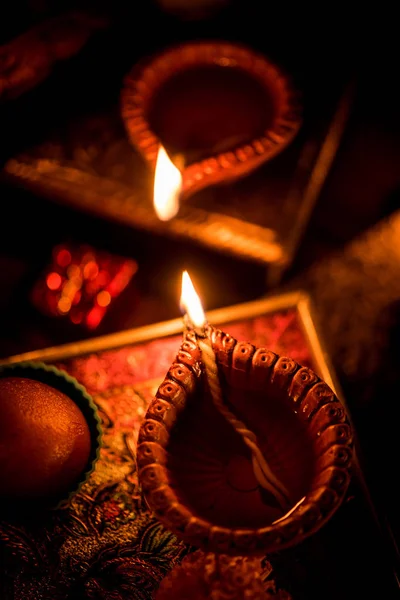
[(362, 191)]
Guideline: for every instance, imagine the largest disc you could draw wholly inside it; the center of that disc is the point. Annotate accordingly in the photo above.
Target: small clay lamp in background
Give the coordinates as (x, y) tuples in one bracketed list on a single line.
[(197, 471), (221, 106), (49, 436)]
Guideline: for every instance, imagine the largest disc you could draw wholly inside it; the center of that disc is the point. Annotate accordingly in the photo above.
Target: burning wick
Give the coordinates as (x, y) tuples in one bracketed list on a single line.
[(195, 319)]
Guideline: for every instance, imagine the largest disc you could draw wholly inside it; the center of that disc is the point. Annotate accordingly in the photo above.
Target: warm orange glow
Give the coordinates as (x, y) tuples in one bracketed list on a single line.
[(64, 304), (90, 270), (167, 187), (103, 298), (190, 302)]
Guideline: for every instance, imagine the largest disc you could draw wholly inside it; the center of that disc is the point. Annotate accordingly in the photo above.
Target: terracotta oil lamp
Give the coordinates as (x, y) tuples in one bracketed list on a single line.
[(220, 110), (199, 477)]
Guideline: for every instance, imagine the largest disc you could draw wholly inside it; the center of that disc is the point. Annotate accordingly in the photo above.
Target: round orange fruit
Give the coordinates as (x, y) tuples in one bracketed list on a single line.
[(44, 440)]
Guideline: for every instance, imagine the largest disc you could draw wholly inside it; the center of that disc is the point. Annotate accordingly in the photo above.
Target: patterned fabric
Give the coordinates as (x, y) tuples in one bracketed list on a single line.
[(106, 545)]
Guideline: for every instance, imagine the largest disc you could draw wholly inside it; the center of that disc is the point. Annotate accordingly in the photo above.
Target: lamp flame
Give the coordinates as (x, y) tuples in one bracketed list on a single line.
[(167, 186), (190, 302)]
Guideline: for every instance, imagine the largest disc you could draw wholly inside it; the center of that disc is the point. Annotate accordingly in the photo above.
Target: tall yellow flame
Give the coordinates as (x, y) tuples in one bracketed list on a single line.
[(190, 302), (167, 187)]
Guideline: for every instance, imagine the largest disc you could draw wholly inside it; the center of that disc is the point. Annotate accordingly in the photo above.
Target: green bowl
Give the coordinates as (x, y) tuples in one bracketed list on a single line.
[(69, 386)]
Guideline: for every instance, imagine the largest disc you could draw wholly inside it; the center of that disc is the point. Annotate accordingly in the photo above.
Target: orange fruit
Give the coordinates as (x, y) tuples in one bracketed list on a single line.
[(44, 440)]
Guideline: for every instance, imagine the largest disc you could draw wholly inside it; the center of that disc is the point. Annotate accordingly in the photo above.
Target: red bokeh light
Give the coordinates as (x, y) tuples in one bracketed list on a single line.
[(94, 316), (53, 281), (63, 257), (81, 284)]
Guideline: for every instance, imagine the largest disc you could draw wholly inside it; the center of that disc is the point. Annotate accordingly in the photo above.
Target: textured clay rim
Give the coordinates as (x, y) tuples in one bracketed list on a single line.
[(141, 84), (311, 397), (69, 386)]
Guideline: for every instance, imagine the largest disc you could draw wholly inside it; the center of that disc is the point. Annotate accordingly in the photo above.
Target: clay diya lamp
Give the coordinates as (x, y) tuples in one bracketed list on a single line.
[(50, 436), (220, 107), (197, 473)]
